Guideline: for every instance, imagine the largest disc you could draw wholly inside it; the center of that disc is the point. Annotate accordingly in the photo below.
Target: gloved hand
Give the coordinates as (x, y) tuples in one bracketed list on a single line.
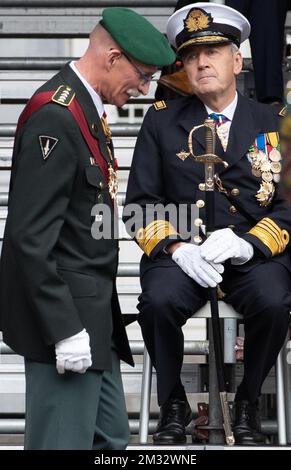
[(224, 244), (188, 257), (74, 353)]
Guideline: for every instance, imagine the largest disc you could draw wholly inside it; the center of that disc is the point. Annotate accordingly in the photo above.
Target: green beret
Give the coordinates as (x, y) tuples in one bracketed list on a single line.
[(137, 36)]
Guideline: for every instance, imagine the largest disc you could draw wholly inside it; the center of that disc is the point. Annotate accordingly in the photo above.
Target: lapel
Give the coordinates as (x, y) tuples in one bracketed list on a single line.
[(194, 115), (85, 101), (243, 131)]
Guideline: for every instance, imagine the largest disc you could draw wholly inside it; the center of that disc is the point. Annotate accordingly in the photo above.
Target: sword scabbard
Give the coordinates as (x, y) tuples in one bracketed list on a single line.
[(229, 437)]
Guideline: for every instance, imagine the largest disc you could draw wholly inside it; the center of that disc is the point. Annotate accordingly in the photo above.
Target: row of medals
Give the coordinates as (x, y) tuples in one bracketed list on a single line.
[(113, 180), (267, 167)]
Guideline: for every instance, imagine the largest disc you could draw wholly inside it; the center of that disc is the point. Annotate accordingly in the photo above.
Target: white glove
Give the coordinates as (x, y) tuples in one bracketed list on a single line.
[(188, 257), (74, 353), (224, 244)]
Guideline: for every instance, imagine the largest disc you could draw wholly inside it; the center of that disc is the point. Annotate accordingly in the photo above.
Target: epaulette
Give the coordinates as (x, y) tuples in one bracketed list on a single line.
[(160, 105), (64, 95), (283, 111)]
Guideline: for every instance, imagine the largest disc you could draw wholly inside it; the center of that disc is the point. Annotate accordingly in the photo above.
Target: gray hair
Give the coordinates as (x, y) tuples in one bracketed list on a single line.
[(234, 48)]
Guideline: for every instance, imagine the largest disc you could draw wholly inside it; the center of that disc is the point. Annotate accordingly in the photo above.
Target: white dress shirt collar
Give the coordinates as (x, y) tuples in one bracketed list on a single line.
[(95, 97), (228, 111)]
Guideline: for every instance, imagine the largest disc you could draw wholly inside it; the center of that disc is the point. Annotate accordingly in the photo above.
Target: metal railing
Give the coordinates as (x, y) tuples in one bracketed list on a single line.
[(199, 348), (16, 426), (118, 130), (33, 63), (86, 3)]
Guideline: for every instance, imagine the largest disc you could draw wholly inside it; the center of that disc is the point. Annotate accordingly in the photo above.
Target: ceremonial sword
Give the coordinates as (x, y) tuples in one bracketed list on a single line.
[(209, 160)]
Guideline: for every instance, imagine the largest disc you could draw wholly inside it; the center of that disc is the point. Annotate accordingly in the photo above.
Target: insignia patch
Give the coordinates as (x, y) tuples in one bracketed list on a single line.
[(183, 155), (160, 105), (47, 144), (64, 95), (283, 111), (197, 20)]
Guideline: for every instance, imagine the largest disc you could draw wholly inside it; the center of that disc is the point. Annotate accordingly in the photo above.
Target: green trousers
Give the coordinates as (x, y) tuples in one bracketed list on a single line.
[(75, 411)]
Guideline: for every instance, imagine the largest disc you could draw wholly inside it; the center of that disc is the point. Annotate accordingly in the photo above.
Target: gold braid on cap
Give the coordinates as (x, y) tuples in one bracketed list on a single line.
[(271, 235), (149, 237), (203, 39)]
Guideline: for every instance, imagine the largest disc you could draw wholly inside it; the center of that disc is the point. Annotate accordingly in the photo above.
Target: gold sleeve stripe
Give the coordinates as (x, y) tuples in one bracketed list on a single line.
[(149, 237), (276, 230), (268, 229), (271, 235), (153, 227)]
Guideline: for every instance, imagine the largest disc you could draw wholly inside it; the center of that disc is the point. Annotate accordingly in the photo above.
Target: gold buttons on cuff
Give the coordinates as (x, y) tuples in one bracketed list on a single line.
[(235, 192), (202, 186), (139, 234), (200, 204), (232, 210)]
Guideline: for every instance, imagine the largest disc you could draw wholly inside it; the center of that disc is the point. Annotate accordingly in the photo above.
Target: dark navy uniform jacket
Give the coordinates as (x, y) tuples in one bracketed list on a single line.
[(159, 176)]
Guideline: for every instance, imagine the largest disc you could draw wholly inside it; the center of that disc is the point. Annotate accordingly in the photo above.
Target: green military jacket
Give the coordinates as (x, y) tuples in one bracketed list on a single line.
[(55, 278)]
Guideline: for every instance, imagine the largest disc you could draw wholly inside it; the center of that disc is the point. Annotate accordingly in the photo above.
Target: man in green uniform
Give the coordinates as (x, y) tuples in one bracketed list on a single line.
[(59, 307)]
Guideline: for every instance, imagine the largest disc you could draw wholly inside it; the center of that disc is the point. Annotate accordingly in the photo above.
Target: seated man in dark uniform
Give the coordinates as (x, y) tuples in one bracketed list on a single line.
[(248, 252), (267, 46)]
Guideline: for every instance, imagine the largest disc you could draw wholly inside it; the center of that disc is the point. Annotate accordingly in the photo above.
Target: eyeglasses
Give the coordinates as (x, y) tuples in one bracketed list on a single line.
[(144, 78)]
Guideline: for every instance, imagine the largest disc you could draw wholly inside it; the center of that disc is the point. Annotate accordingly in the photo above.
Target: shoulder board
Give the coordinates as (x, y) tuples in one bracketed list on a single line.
[(283, 111), (160, 105), (64, 95)]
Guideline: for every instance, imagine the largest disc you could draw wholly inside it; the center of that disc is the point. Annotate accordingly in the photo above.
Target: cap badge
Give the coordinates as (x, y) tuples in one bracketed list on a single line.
[(197, 20)]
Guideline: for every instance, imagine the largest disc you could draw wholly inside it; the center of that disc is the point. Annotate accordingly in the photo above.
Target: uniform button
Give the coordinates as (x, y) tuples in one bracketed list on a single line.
[(200, 204), (201, 186), (232, 227), (198, 222), (235, 192), (94, 128), (100, 198), (232, 210), (139, 234), (101, 185)]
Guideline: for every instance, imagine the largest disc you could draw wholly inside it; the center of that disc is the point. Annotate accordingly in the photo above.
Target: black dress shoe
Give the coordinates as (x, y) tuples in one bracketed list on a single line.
[(175, 415), (255, 423), (246, 424)]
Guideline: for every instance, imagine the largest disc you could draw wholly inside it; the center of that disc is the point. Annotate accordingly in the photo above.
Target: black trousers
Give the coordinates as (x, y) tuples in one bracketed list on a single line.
[(267, 19), (169, 297)]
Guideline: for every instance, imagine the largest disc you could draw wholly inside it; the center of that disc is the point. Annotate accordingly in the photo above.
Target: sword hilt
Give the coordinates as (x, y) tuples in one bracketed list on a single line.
[(210, 135), (209, 157)]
